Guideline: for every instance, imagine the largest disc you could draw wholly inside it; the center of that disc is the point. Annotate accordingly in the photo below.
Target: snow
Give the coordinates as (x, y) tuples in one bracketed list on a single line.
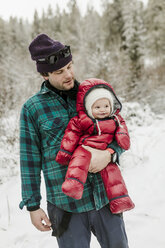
[(143, 168), (145, 181)]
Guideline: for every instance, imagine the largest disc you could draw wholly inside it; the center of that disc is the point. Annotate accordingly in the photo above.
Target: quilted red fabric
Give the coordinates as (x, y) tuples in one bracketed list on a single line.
[(84, 130)]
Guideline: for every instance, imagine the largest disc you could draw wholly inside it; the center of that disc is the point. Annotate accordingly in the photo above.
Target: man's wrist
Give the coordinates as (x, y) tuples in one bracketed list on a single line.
[(110, 150), (114, 155), (33, 208)]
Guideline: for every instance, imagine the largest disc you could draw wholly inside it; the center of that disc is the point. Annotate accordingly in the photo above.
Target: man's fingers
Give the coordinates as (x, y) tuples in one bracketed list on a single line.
[(47, 221), (45, 227), (40, 220), (93, 171), (88, 148), (42, 227)]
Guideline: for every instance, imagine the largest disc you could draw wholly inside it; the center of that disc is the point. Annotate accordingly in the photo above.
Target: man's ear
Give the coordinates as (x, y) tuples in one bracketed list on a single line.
[(45, 77)]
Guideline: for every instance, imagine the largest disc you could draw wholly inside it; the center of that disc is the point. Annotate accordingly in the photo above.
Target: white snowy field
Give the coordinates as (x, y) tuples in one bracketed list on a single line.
[(143, 168)]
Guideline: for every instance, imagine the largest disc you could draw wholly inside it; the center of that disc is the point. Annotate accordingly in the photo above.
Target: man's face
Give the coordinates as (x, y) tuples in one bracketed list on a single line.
[(62, 79)]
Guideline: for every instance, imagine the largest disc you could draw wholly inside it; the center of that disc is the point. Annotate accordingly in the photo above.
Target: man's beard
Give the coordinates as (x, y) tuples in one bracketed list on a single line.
[(72, 93)]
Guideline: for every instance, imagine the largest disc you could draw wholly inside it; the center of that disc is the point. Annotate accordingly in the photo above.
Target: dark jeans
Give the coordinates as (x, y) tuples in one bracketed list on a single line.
[(108, 228)]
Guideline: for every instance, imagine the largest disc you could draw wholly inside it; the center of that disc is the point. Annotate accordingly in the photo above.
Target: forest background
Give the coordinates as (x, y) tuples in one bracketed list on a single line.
[(124, 45)]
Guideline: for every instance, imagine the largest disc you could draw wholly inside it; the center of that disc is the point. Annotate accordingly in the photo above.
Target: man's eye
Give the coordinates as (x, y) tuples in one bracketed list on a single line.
[(58, 72), (70, 66)]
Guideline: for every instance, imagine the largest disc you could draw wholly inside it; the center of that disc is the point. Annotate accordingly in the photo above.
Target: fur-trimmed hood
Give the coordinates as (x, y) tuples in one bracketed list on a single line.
[(87, 86)]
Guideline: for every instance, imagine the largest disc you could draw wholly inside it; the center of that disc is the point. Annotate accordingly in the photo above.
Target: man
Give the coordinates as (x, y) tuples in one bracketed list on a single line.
[(44, 118)]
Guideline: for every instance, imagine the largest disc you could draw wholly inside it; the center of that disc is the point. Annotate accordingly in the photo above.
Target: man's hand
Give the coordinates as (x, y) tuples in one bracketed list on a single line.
[(99, 160), (40, 220)]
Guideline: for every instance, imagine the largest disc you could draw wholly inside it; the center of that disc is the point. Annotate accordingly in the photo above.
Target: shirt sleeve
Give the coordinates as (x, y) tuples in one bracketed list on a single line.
[(116, 148), (30, 160)]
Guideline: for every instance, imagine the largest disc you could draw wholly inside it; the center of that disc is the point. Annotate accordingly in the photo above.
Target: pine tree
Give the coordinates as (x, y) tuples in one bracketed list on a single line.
[(155, 22), (112, 23), (49, 21), (133, 40), (72, 28), (3, 38), (36, 25), (90, 44), (57, 24)]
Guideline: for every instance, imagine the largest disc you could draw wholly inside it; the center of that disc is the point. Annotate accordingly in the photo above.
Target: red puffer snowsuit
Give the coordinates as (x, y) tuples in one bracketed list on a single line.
[(84, 130)]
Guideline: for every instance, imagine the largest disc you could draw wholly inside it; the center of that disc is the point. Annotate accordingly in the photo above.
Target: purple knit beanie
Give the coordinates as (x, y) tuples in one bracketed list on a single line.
[(43, 46)]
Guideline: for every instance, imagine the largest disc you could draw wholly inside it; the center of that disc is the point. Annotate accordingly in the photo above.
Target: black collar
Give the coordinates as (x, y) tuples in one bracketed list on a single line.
[(72, 93)]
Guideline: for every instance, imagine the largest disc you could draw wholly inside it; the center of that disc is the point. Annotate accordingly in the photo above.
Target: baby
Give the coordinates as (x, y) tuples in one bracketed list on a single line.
[(97, 124)]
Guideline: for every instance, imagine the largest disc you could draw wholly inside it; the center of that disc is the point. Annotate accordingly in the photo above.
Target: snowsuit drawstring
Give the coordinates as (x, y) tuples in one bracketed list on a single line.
[(117, 120), (97, 123)]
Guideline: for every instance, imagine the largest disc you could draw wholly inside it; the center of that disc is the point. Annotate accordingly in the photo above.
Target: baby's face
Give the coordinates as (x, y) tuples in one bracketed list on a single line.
[(101, 108)]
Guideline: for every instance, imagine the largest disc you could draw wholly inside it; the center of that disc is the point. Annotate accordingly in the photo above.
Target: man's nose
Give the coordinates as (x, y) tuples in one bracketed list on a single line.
[(68, 74)]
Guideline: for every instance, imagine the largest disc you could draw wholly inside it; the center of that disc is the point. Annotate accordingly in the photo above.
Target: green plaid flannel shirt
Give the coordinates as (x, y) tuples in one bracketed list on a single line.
[(43, 120)]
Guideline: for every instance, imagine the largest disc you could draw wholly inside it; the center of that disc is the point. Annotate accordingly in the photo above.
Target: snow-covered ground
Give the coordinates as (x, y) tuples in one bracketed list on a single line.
[(143, 168), (145, 178)]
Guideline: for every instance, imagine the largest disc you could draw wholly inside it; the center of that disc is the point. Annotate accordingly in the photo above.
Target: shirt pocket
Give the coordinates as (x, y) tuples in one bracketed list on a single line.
[(52, 131)]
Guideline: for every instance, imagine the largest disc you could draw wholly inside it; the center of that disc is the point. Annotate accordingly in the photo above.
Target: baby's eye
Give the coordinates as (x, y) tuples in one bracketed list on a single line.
[(106, 106), (97, 107)]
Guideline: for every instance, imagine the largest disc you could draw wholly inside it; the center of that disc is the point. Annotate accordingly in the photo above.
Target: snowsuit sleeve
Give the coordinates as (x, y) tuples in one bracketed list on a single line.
[(30, 160), (70, 141), (121, 134)]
